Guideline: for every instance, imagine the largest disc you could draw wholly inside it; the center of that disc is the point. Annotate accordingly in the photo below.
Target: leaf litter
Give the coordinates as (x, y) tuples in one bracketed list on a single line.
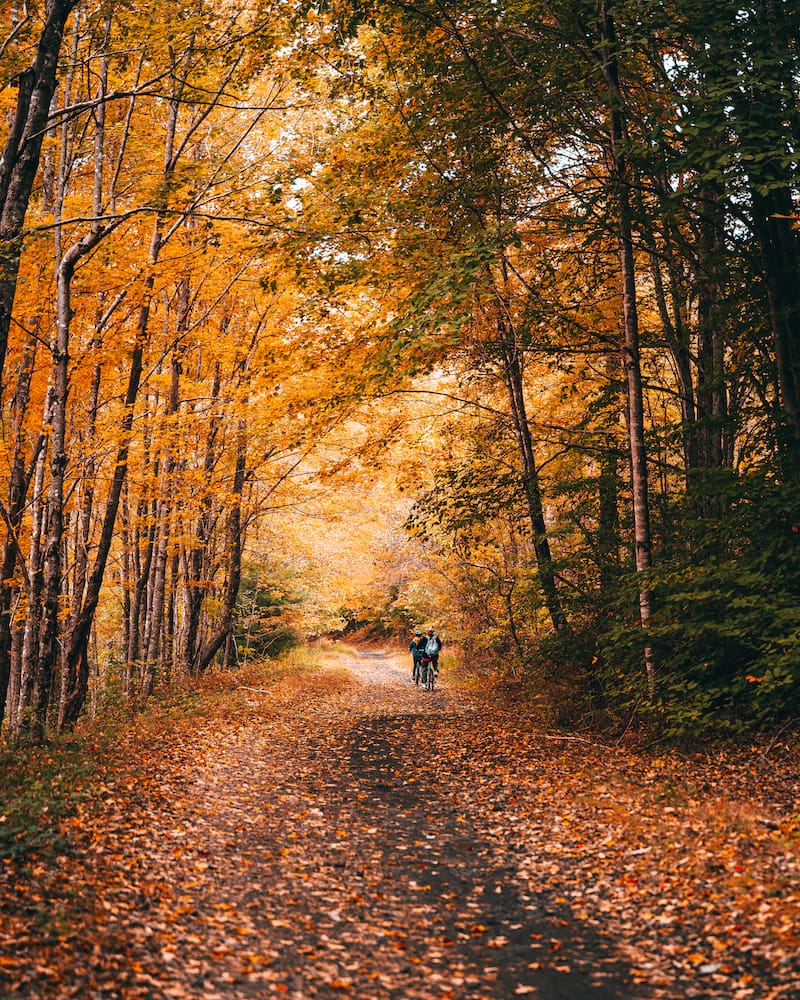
[(347, 834)]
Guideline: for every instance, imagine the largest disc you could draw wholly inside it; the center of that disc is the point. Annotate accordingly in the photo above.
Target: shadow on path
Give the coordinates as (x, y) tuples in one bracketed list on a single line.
[(467, 918)]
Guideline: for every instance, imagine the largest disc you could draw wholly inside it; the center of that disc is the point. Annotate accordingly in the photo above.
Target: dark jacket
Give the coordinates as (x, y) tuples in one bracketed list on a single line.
[(417, 647)]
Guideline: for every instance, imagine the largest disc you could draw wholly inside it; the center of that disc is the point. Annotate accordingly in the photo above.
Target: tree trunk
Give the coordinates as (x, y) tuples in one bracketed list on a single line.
[(22, 719), (512, 371), (88, 473), (235, 544), (620, 176), (676, 333), (53, 584), (76, 654), (712, 395), (77, 642), (164, 509), (195, 557), (141, 567), (759, 52), (780, 252), (170, 641), (54, 508), (127, 577), (83, 526), (773, 111), (21, 472), (20, 161)]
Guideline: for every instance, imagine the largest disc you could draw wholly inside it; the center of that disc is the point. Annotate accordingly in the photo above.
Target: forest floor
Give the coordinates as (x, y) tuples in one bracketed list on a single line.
[(343, 833)]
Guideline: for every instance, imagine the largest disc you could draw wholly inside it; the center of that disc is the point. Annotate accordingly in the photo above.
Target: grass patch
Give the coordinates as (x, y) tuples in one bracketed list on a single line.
[(323, 653), (466, 675), (39, 787)]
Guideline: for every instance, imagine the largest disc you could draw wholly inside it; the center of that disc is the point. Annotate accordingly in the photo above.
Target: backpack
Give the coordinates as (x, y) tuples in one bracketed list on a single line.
[(432, 646)]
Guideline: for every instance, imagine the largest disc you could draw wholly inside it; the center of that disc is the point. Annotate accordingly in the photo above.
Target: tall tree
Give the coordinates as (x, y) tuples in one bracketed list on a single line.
[(36, 86)]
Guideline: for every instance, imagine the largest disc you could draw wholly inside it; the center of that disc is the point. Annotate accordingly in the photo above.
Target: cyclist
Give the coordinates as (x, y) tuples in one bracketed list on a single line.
[(432, 645), (417, 648)]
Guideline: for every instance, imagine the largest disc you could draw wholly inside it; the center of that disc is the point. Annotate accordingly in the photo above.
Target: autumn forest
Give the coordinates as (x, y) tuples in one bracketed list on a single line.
[(324, 321)]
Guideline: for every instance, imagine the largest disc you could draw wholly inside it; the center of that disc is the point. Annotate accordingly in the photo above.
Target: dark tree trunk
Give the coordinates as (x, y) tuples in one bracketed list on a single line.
[(234, 546), (54, 509), (53, 553), (170, 629), (780, 251), (712, 391), (77, 643), (512, 373), (22, 152), (196, 556), (757, 54), (141, 563), (608, 538), (84, 519)]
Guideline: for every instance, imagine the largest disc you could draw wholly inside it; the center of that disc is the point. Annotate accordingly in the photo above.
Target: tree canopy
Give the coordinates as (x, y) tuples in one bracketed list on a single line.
[(365, 314)]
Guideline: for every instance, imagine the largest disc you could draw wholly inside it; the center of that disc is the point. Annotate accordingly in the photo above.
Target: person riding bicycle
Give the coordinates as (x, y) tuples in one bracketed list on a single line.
[(417, 648), (432, 646)]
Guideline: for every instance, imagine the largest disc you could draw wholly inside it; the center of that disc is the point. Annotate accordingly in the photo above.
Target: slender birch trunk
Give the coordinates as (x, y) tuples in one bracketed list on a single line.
[(163, 510), (30, 646), (21, 472), (620, 175)]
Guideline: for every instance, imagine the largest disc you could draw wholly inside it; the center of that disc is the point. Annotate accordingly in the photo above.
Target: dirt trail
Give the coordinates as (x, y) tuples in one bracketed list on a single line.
[(372, 877), (353, 835)]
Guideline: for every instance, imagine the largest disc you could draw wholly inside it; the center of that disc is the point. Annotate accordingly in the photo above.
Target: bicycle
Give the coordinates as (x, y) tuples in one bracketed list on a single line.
[(428, 674), (415, 674)]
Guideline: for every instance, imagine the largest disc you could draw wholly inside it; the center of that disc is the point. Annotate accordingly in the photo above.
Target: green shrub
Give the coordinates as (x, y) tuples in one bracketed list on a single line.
[(725, 636)]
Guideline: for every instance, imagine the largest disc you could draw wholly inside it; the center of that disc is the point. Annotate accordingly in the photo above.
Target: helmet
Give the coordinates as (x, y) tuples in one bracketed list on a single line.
[(430, 631), (418, 632)]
